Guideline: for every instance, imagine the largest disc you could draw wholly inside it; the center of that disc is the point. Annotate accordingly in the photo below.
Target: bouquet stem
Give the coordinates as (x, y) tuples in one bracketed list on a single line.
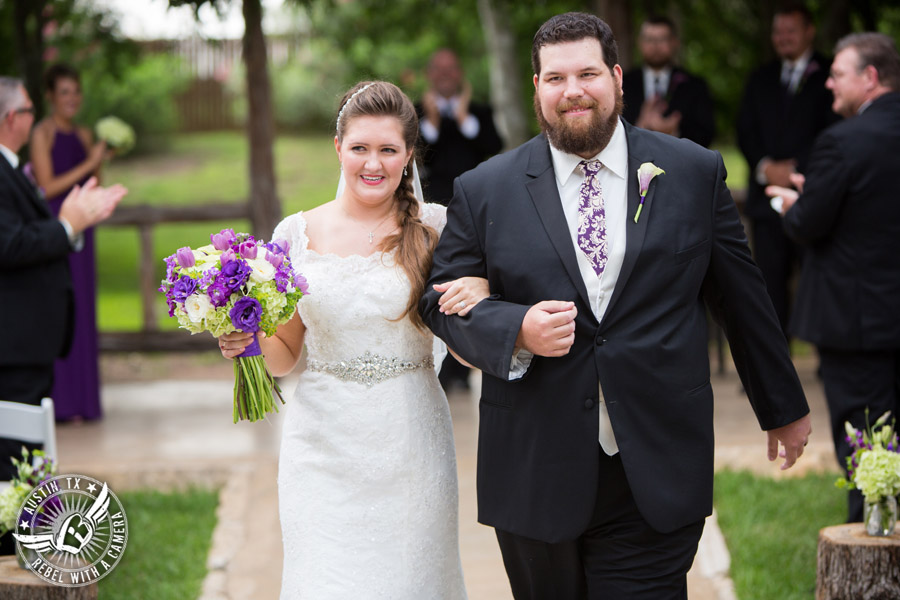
[(255, 388)]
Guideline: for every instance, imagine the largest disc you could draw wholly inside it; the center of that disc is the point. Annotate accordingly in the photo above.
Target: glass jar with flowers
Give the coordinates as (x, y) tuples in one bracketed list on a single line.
[(34, 468), (873, 468)]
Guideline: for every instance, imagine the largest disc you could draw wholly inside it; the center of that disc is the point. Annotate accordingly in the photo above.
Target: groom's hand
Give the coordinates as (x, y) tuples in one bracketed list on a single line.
[(548, 328), (794, 437)]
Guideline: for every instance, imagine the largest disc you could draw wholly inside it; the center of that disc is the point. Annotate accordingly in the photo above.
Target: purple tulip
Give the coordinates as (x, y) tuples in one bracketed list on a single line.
[(227, 256), (223, 240), (185, 257), (248, 250), (246, 314), (275, 259), (283, 246), (301, 284)]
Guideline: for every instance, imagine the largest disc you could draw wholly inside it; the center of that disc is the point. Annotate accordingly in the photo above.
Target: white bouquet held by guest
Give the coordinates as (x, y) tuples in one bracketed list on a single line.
[(237, 283), (117, 134)]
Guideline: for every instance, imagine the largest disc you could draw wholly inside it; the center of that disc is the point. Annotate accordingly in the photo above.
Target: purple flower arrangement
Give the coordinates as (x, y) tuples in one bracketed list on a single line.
[(236, 283)]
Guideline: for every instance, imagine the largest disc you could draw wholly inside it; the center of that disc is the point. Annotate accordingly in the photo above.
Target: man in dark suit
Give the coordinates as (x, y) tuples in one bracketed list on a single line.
[(457, 135), (661, 96), (785, 106), (35, 289), (596, 332), (848, 219)]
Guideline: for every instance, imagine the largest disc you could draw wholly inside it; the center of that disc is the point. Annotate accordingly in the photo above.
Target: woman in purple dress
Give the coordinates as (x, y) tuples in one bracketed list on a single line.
[(64, 155)]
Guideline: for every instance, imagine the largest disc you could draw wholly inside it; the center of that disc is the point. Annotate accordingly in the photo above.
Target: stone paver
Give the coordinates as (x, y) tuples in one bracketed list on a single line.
[(168, 434)]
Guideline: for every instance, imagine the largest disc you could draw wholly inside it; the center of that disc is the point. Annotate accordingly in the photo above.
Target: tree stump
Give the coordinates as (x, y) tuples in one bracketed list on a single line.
[(17, 583), (855, 566)]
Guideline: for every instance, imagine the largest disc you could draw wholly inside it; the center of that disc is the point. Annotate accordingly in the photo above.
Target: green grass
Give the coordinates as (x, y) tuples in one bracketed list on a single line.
[(169, 537), (735, 165), (771, 529)]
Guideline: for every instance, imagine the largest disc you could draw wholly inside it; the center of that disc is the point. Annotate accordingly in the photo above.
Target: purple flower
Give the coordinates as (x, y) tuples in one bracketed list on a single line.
[(218, 294), (170, 268), (248, 250), (223, 239), (279, 246), (227, 257), (234, 274), (275, 259), (301, 284), (185, 257), (183, 288), (246, 314)]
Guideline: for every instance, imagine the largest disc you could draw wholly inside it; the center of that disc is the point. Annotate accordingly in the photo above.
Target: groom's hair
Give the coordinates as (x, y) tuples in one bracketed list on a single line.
[(573, 27), (878, 50)]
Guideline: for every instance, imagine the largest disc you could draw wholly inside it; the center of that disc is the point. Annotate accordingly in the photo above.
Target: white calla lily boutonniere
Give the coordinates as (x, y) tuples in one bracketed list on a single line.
[(645, 174)]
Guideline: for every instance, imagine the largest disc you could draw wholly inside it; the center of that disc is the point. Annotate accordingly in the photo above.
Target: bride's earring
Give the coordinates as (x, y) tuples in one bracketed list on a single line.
[(341, 166), (404, 171)]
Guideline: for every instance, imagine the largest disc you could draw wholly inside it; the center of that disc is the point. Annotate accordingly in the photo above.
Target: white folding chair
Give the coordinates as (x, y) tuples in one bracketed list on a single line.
[(34, 424)]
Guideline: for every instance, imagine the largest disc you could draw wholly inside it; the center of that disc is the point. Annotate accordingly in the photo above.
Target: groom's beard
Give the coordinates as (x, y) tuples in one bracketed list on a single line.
[(574, 138)]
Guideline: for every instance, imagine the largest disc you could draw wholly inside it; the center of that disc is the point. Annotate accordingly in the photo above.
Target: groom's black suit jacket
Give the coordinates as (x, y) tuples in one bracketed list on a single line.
[(35, 287), (538, 439)]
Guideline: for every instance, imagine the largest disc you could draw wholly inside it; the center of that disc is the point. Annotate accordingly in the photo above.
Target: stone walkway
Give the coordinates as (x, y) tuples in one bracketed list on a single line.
[(175, 433)]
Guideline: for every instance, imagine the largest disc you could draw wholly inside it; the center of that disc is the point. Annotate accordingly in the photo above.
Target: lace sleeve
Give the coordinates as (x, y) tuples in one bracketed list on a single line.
[(434, 215), (293, 229)]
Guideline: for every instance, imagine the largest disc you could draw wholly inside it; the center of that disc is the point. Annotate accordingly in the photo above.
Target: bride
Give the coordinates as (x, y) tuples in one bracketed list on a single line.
[(367, 474)]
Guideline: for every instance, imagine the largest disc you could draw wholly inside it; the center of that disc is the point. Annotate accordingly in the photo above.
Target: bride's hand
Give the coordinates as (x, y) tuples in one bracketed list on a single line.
[(460, 295), (233, 344)]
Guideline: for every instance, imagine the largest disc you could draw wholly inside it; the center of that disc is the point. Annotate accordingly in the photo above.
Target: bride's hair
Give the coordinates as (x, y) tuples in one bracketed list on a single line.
[(415, 242)]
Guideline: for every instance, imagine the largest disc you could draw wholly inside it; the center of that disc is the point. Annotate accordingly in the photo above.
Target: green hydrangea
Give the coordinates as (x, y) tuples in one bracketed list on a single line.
[(878, 474)]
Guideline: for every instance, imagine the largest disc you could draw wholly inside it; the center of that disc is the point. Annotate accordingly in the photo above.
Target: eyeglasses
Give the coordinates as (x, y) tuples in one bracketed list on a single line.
[(23, 110)]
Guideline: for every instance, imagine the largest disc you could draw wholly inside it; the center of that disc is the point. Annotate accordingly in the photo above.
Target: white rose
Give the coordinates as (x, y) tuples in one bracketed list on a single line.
[(263, 270), (197, 307)]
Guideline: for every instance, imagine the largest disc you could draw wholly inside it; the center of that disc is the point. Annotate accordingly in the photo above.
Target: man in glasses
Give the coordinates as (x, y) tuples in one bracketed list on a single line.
[(35, 289)]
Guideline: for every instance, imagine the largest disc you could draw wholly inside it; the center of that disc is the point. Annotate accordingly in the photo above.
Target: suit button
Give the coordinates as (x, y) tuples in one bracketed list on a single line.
[(589, 403), (600, 341)]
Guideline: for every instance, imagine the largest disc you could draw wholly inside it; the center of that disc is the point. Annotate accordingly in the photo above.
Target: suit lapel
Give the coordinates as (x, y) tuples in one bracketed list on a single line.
[(545, 195), (25, 186), (638, 153)]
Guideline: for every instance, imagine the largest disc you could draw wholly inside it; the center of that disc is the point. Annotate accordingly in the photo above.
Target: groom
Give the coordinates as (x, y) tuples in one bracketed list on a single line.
[(596, 332)]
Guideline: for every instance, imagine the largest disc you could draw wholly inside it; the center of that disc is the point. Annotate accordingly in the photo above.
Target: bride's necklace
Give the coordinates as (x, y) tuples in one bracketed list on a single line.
[(371, 232)]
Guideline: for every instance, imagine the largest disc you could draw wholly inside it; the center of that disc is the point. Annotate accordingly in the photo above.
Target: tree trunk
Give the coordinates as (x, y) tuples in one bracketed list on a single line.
[(29, 34), (617, 14), (506, 88), (265, 208), (854, 565)]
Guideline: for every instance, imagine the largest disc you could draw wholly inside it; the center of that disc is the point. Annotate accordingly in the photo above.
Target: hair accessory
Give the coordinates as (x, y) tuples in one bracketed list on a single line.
[(337, 125)]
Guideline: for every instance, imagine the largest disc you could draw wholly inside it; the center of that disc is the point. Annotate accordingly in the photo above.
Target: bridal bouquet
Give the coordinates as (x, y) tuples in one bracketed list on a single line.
[(237, 283), (873, 468), (31, 471), (117, 134)]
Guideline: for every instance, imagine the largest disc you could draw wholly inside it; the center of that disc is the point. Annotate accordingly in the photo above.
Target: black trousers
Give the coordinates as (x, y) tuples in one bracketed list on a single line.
[(618, 557), (854, 381), (778, 257), (28, 385)]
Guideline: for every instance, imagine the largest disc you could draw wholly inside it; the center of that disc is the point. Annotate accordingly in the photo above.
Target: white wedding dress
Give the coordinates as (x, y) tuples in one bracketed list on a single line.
[(367, 474)]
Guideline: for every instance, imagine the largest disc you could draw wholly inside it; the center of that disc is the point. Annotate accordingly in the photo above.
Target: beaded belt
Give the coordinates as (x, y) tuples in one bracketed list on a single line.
[(369, 368)]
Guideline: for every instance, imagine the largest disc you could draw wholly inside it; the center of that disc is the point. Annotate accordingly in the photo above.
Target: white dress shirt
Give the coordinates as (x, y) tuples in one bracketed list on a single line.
[(614, 185), (656, 83), (11, 156), (447, 107), (795, 70)]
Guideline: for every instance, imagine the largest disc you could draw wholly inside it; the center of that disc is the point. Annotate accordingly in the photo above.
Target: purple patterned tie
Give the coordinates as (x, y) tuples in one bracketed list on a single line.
[(592, 217)]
